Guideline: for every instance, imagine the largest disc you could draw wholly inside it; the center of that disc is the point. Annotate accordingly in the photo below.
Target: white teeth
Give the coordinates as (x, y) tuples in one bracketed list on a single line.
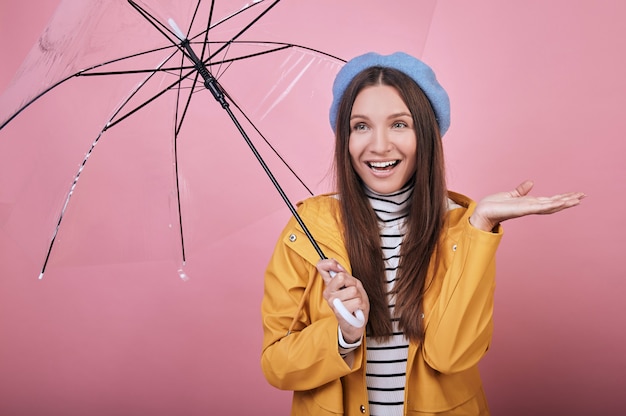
[(382, 165)]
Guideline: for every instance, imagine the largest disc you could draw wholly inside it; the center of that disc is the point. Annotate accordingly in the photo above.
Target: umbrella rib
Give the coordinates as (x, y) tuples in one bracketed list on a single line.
[(205, 43), (66, 203), (272, 148), (85, 72), (195, 14), (176, 131), (179, 123), (35, 98), (90, 70), (107, 125), (177, 126)]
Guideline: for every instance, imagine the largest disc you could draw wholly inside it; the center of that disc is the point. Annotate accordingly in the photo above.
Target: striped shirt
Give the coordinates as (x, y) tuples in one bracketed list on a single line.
[(386, 361)]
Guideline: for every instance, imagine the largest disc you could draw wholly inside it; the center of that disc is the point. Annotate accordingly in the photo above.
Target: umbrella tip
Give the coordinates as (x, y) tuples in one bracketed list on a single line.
[(179, 33), (41, 275), (182, 274)]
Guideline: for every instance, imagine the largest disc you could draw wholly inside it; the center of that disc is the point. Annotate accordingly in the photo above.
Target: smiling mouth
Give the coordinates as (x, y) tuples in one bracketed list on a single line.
[(383, 165)]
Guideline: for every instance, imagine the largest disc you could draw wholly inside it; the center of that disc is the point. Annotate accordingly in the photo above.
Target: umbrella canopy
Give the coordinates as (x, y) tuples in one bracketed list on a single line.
[(169, 166)]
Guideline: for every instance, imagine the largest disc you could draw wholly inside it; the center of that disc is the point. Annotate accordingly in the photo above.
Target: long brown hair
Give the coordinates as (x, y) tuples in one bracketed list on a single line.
[(427, 209)]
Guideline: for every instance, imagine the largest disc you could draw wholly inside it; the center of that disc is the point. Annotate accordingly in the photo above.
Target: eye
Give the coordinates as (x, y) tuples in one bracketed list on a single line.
[(400, 125), (359, 127)]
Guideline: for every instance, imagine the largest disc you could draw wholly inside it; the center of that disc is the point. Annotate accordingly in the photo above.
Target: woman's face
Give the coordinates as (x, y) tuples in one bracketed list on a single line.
[(382, 142)]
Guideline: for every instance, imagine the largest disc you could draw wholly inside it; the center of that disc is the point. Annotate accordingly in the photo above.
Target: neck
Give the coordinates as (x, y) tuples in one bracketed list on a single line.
[(390, 206)]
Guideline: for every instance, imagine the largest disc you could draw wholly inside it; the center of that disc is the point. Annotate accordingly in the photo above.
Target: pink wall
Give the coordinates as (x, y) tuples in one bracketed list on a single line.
[(537, 92)]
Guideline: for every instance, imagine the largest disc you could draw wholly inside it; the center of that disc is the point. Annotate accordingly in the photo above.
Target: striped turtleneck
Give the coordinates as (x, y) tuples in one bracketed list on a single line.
[(386, 361)]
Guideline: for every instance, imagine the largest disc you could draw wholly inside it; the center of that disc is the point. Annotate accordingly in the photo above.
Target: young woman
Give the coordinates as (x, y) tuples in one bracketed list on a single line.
[(416, 259)]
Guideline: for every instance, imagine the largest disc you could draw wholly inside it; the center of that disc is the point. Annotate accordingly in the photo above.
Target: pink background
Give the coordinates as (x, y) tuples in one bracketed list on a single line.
[(537, 92)]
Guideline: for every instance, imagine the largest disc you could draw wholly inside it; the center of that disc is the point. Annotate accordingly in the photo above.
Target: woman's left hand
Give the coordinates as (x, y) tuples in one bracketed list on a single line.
[(503, 206)]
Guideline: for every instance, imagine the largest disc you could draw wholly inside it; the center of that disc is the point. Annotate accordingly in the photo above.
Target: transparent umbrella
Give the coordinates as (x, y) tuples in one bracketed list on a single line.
[(112, 150)]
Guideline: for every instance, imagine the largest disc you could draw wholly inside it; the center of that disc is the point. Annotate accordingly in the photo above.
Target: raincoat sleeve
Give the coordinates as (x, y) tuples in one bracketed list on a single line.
[(459, 322), (308, 357)]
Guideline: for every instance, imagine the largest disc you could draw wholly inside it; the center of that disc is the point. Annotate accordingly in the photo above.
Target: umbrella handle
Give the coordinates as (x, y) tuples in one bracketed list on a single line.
[(357, 320)]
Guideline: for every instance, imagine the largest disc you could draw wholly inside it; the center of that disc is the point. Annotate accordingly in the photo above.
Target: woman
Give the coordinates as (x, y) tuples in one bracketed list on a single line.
[(417, 260)]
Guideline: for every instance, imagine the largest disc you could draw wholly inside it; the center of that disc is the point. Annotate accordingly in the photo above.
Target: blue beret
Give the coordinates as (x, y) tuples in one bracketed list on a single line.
[(421, 73)]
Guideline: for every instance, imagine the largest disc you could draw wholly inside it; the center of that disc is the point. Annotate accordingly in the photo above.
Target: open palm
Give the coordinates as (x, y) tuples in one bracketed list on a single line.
[(503, 206)]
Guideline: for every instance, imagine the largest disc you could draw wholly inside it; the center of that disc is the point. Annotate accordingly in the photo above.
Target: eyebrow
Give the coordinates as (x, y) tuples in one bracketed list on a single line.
[(402, 114), (395, 115)]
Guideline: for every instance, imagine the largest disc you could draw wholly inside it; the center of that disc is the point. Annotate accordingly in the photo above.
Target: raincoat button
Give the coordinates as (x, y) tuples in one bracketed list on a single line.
[(454, 247), (362, 408), (292, 238)]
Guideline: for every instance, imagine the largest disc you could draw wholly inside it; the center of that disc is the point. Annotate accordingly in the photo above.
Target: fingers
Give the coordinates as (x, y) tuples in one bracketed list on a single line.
[(326, 266), (556, 203), (523, 188), (345, 287), (575, 198), (342, 286), (339, 284), (350, 305), (544, 205), (571, 197)]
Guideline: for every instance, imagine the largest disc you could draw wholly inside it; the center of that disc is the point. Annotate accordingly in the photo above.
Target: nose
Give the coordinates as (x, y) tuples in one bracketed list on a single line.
[(380, 141)]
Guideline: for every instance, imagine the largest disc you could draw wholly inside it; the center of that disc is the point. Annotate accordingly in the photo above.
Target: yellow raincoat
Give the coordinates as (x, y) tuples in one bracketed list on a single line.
[(442, 372)]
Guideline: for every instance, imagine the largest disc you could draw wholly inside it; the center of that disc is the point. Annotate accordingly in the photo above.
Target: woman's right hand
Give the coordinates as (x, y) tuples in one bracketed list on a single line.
[(350, 291)]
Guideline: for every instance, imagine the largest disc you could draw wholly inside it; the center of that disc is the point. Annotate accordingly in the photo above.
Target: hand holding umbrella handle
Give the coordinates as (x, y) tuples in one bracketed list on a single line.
[(357, 320)]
